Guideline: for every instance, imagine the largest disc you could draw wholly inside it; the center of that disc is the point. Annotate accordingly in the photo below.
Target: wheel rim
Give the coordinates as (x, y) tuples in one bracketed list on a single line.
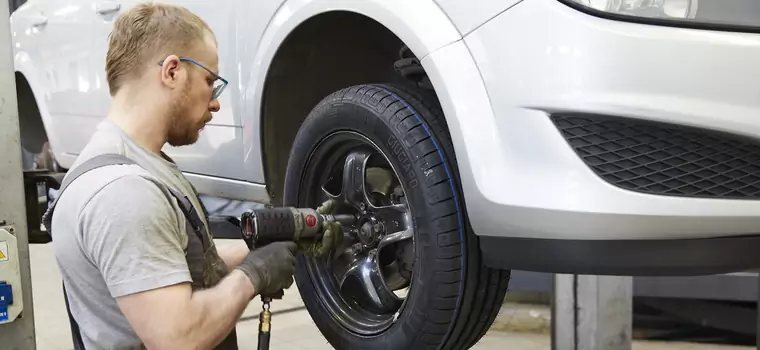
[(362, 284)]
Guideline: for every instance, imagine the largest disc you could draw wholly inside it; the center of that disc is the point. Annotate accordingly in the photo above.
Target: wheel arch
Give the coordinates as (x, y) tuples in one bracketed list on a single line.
[(31, 126), (34, 119), (313, 48)]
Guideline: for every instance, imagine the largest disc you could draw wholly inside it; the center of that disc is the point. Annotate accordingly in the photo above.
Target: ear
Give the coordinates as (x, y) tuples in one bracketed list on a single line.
[(170, 70)]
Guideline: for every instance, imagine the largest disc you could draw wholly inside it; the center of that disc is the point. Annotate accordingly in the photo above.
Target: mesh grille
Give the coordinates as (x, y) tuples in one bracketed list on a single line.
[(664, 159)]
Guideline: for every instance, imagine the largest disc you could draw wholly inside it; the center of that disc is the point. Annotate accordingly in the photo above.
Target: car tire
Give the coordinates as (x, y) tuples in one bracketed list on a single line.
[(452, 297)]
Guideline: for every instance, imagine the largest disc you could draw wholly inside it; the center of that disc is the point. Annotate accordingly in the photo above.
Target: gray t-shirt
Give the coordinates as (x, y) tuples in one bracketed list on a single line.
[(117, 231)]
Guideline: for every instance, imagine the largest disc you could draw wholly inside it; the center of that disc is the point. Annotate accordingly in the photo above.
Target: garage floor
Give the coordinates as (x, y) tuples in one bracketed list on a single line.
[(292, 327)]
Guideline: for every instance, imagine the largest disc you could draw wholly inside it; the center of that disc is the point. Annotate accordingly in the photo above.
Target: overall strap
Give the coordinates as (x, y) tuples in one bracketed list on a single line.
[(94, 163), (192, 217), (90, 164), (191, 214)]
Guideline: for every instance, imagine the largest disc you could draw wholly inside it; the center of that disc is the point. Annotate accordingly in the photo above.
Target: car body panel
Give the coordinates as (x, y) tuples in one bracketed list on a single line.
[(468, 15), (422, 34), (58, 31), (518, 62), (542, 57)]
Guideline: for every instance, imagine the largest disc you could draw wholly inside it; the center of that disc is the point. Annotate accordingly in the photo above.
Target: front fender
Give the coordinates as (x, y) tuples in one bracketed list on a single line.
[(25, 66), (421, 25)]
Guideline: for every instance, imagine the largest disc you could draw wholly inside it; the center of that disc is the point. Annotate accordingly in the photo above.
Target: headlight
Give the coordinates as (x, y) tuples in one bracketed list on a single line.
[(741, 13)]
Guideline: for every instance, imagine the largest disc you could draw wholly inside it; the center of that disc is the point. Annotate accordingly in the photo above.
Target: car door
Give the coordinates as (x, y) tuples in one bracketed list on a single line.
[(104, 14), (65, 50)]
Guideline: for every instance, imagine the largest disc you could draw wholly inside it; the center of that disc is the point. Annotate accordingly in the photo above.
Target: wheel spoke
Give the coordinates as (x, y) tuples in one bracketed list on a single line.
[(330, 195), (395, 238), (354, 170), (364, 282)]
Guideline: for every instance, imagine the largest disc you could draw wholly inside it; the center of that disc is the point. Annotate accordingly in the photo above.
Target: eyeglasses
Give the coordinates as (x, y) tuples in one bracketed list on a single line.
[(219, 82)]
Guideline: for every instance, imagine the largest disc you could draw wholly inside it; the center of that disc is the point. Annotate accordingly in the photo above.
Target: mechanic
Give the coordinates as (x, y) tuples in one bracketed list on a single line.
[(135, 275)]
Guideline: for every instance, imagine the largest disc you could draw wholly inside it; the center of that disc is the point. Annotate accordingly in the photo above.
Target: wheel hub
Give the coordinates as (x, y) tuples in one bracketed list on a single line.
[(367, 234)]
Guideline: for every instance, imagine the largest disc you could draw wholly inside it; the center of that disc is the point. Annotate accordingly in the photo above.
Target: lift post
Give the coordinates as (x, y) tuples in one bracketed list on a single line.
[(16, 316), (592, 312)]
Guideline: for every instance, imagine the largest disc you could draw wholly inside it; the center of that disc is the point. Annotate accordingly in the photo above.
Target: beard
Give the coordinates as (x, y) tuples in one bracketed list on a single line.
[(182, 130)]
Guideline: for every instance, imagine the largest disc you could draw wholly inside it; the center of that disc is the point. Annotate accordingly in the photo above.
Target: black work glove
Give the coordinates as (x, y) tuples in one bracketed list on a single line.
[(270, 267), (331, 240), (332, 237)]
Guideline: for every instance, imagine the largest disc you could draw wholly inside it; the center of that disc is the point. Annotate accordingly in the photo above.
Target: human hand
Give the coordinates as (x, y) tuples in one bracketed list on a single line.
[(332, 237), (271, 267)]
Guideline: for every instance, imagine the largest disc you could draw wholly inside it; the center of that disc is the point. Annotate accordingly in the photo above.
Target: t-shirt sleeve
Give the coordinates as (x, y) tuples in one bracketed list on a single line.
[(130, 232)]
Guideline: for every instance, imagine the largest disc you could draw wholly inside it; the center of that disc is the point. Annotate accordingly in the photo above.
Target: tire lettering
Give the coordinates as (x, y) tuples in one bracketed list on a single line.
[(406, 163)]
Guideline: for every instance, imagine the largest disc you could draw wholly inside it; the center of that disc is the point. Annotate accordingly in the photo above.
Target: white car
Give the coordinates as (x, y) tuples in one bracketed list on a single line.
[(473, 138)]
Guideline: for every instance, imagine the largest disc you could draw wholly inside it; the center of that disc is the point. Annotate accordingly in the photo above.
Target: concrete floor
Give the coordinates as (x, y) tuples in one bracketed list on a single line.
[(291, 330)]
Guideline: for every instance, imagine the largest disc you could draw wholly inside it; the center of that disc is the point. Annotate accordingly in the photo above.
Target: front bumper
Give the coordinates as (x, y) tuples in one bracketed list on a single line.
[(542, 58)]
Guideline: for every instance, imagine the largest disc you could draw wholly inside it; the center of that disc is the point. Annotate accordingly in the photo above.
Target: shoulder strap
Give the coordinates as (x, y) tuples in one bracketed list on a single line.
[(88, 165), (185, 202), (191, 214), (92, 164)]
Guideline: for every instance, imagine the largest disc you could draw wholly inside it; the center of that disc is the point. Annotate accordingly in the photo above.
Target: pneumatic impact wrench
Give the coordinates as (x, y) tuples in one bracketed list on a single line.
[(260, 227)]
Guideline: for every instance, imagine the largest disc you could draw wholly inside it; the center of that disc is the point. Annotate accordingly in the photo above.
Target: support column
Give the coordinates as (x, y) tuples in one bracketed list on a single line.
[(19, 333), (592, 312)]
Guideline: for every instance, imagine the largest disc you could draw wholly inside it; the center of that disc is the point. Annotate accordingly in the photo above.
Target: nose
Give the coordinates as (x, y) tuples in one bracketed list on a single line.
[(214, 105)]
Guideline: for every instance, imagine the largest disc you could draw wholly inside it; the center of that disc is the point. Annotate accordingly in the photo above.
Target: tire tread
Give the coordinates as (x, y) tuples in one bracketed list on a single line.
[(492, 283)]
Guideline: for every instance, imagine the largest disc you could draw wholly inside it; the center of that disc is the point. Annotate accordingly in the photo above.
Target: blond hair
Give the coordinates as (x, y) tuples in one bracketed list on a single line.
[(147, 33)]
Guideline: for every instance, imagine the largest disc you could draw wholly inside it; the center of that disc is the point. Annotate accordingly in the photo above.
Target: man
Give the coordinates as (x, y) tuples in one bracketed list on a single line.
[(133, 274)]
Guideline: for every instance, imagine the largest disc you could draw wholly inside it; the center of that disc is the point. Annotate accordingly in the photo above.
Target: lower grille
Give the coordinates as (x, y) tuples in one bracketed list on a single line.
[(665, 159)]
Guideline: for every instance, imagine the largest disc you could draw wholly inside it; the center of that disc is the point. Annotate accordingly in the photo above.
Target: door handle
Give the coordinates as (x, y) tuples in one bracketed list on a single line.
[(107, 7), (39, 21)]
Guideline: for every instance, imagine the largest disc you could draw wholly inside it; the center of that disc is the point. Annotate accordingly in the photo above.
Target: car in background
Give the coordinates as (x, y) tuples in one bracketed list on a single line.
[(471, 138)]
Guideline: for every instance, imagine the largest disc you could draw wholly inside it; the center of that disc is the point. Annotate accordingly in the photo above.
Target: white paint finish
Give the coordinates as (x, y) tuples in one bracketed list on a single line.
[(247, 47), (519, 176), (66, 62), (26, 38), (423, 34), (228, 188), (468, 15), (27, 31), (541, 55), (218, 152), (244, 60)]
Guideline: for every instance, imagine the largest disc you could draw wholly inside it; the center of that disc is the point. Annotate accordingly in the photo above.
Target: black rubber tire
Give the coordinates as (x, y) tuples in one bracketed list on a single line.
[(459, 297)]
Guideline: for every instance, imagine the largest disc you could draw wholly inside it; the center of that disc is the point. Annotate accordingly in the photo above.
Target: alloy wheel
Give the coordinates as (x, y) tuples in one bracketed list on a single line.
[(364, 283)]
